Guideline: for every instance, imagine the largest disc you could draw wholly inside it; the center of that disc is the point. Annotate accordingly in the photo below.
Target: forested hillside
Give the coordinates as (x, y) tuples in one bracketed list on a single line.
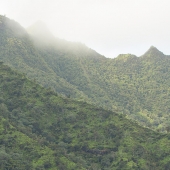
[(41, 130), (139, 87)]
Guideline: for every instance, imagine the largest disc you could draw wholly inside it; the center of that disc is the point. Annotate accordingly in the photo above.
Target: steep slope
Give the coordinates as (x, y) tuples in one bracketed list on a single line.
[(51, 132), (24, 53), (136, 86)]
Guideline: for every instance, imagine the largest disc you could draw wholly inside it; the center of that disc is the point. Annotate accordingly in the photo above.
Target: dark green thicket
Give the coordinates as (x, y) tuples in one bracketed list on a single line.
[(40, 130), (135, 86)]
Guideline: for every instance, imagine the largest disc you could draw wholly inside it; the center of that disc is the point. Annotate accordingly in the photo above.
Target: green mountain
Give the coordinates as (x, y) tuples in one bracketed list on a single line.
[(41, 130), (136, 86), (24, 53)]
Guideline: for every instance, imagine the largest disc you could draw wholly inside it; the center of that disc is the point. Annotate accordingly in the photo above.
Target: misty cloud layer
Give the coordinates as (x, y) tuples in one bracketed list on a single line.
[(110, 27)]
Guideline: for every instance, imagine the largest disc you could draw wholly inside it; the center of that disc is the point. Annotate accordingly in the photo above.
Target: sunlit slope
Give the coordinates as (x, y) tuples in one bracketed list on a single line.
[(17, 49), (139, 86), (50, 132), (135, 86)]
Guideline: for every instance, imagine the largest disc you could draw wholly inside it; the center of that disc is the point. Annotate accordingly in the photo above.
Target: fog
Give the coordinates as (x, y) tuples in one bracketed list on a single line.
[(110, 27)]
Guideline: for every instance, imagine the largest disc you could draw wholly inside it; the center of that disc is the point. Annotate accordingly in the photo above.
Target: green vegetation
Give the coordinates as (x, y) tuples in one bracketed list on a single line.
[(135, 86), (42, 130)]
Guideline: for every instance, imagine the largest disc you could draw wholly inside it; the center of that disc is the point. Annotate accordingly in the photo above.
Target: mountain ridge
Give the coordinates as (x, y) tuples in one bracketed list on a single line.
[(135, 86), (40, 129), (153, 51), (51, 132)]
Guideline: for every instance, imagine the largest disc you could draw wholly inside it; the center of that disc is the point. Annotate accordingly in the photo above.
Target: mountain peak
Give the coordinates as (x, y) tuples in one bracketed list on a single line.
[(40, 31), (12, 26), (153, 48), (38, 27), (153, 52)]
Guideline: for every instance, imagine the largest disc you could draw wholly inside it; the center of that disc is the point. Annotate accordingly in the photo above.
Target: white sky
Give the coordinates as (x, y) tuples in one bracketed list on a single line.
[(110, 27)]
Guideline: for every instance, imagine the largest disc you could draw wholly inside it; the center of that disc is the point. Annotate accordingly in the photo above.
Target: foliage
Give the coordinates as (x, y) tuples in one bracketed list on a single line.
[(135, 86), (41, 130)]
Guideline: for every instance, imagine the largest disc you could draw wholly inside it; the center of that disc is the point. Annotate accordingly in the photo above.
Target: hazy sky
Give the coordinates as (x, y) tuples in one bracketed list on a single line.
[(110, 27)]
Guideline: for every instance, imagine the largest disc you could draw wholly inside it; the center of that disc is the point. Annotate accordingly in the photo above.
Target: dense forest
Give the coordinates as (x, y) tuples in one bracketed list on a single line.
[(64, 106), (41, 130), (135, 86)]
